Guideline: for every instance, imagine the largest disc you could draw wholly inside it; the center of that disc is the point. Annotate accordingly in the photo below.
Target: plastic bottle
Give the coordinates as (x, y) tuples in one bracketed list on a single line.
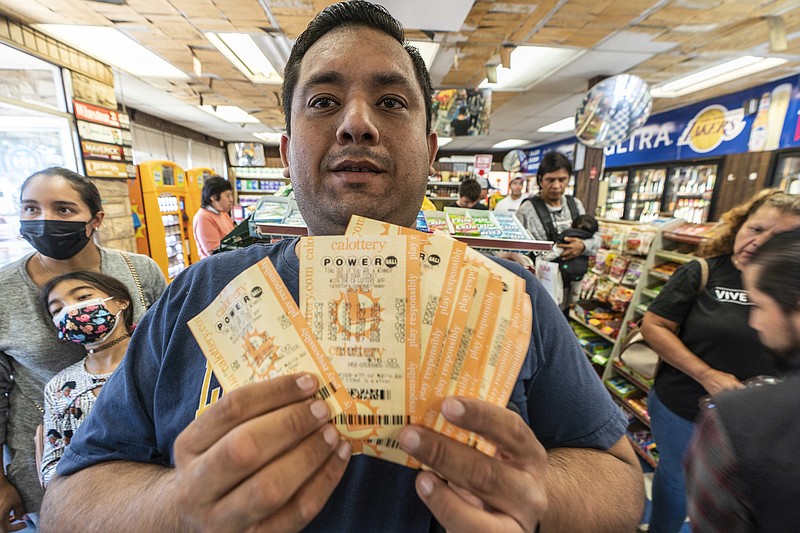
[(758, 131)]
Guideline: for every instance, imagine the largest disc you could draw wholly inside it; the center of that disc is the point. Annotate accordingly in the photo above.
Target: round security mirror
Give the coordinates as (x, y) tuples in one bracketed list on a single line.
[(612, 110), (512, 161)]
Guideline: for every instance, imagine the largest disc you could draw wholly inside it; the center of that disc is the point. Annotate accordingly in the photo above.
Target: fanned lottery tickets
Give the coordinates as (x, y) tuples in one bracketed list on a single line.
[(477, 332), (390, 320), (254, 331)]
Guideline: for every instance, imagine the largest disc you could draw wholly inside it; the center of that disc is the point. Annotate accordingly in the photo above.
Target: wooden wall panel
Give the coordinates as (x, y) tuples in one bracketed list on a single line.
[(586, 186), (740, 177)]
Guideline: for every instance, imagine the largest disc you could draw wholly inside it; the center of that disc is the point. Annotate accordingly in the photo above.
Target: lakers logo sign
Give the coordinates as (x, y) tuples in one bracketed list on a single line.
[(711, 127)]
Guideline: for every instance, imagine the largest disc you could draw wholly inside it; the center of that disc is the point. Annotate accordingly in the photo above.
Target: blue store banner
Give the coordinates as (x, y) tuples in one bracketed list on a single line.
[(762, 118), (530, 164)]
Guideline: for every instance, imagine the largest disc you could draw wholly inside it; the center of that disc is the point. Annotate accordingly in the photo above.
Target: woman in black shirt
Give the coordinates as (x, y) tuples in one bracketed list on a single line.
[(715, 348)]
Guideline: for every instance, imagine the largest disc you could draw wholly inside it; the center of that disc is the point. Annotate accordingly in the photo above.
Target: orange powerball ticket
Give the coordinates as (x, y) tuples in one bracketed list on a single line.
[(254, 331), (361, 297)]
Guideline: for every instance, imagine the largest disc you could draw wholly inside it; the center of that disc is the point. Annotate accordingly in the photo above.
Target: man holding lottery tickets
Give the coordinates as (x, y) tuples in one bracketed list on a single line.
[(166, 450)]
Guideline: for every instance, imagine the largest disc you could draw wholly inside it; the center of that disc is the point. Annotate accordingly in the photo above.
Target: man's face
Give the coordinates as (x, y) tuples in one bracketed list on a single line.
[(553, 185), (359, 143), (778, 331), (516, 187)]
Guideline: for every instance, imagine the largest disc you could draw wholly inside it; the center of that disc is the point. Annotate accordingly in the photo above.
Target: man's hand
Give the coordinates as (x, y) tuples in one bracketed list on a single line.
[(573, 248), (12, 509), (501, 493), (263, 457)]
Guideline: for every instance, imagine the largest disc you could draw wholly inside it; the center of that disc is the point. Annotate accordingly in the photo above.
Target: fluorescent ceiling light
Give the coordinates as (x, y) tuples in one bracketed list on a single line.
[(269, 137), (229, 113), (427, 49), (443, 141), (511, 143), (113, 47), (565, 124), (730, 70), (241, 50), (530, 65)]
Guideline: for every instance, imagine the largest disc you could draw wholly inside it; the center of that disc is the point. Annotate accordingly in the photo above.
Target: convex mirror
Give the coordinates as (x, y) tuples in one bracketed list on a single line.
[(612, 110)]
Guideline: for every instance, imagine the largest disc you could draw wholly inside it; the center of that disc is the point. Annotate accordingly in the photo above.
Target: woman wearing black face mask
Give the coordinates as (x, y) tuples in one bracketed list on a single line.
[(61, 211)]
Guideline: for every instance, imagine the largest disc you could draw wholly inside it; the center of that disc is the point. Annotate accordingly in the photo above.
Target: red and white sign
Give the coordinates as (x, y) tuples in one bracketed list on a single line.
[(98, 115), (483, 165)]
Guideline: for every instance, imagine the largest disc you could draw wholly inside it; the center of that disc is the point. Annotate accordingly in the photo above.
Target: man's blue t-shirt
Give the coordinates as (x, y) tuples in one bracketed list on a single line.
[(162, 383)]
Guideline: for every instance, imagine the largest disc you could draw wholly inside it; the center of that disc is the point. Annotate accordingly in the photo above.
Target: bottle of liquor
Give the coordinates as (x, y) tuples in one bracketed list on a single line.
[(758, 131)]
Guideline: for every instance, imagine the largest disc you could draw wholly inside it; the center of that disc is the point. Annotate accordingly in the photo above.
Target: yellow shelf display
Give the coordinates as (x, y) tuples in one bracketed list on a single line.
[(195, 178), (159, 196)]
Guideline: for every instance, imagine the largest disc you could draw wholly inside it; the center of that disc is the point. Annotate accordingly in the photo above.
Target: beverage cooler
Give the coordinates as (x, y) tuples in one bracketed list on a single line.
[(787, 172), (644, 194), (160, 193), (616, 184), (689, 192)]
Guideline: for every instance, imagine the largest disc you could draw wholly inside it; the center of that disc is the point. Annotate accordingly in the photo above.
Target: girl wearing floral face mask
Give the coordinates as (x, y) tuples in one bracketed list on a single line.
[(95, 311)]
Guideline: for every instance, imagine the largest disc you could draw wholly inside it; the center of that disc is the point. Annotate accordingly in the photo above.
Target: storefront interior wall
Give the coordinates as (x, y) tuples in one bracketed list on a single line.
[(150, 144)]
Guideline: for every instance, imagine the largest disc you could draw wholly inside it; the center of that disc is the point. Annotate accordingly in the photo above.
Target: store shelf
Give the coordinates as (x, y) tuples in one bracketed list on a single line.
[(621, 402), (246, 192), (506, 244), (449, 183), (659, 275), (600, 360), (706, 196), (650, 198), (641, 453), (641, 308), (475, 242), (442, 198), (649, 293), (591, 328), (630, 376), (676, 257)]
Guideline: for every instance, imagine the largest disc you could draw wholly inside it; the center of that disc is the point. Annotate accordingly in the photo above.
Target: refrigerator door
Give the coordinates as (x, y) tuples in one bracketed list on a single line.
[(787, 173), (616, 183), (688, 192), (645, 192)]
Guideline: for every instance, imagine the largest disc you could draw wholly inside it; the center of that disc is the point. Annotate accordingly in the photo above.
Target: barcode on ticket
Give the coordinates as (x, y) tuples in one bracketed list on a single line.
[(386, 443), (372, 419), (370, 394), (325, 392)]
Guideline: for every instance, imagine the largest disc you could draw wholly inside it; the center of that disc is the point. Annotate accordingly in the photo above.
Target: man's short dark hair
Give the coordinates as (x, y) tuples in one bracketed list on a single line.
[(212, 188), (552, 161), (470, 189), (351, 14), (778, 261), (586, 223)]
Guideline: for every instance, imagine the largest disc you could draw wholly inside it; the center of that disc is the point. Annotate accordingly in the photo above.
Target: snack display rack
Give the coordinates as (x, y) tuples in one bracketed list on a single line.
[(608, 292), (674, 243)]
